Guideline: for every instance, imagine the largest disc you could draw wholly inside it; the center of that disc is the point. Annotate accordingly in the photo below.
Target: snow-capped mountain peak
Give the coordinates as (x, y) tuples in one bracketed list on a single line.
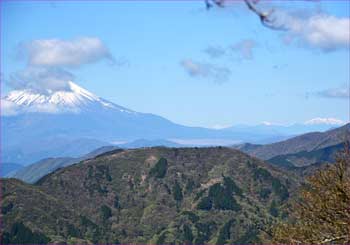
[(74, 99)]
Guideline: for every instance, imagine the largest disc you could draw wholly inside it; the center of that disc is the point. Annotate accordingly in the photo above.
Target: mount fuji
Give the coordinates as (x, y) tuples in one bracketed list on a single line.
[(74, 121), (74, 99)]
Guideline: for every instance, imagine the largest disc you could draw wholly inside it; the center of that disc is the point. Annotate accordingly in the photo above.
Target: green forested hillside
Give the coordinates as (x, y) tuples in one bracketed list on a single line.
[(153, 195)]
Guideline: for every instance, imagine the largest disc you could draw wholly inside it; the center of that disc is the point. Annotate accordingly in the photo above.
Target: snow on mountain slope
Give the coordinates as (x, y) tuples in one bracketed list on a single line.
[(76, 99)]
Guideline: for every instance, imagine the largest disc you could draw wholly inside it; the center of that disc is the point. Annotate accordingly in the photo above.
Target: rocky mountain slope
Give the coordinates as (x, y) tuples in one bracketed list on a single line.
[(152, 195)]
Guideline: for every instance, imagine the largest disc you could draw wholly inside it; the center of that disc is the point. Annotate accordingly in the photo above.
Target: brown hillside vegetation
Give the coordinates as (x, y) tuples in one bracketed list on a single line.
[(153, 195), (321, 213)]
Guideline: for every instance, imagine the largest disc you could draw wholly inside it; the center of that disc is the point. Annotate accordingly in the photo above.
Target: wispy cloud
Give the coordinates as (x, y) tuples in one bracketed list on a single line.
[(336, 93), (244, 48), (65, 53), (212, 72), (215, 51)]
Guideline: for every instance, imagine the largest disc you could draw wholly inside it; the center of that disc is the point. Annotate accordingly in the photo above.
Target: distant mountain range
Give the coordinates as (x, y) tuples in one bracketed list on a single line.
[(8, 168), (303, 150), (37, 170), (73, 122), (148, 143), (26, 152), (280, 131), (306, 158)]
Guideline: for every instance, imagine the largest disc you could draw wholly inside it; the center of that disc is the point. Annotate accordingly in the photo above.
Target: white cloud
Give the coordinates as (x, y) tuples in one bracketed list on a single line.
[(65, 53), (48, 60), (41, 79), (329, 121), (203, 70), (322, 31), (8, 108)]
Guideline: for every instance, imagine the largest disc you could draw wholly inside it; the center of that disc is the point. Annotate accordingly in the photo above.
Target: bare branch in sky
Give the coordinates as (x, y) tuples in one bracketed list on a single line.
[(265, 17)]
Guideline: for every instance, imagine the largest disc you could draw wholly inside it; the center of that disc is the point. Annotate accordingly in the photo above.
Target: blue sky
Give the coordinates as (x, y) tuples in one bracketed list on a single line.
[(195, 67)]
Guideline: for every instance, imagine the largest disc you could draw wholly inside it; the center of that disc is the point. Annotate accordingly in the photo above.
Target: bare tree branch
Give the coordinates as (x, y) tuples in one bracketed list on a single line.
[(266, 18), (209, 3)]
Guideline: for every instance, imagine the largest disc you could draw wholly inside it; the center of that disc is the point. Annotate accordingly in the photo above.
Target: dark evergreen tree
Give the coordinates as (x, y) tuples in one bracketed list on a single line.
[(20, 234), (205, 204), (117, 202), (224, 232), (280, 189), (273, 210), (231, 187), (188, 236), (106, 212), (177, 192), (159, 169)]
